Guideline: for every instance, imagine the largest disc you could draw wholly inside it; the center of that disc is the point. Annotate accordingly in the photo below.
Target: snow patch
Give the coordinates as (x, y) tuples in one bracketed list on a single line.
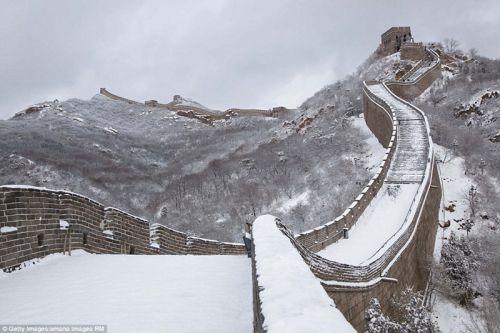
[(375, 153), (63, 225), (6, 230), (108, 233), (301, 199), (455, 186), (110, 130)]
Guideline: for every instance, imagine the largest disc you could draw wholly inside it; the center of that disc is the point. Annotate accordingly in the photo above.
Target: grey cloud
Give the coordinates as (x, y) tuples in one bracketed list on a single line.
[(222, 53)]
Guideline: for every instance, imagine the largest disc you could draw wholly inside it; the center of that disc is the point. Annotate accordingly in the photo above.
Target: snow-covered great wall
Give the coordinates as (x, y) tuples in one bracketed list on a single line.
[(377, 247), (393, 220)]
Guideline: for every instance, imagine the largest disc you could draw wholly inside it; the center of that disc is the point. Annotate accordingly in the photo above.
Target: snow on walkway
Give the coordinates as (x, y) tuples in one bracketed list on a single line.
[(381, 219), (428, 63), (132, 293), (386, 213), (412, 146)]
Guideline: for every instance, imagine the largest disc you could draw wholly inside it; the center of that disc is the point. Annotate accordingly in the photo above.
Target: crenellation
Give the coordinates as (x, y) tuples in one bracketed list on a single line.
[(37, 211)]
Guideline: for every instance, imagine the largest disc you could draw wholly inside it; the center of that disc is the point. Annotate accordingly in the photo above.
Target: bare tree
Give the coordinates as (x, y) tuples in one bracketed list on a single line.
[(473, 52), (472, 200), (450, 45)]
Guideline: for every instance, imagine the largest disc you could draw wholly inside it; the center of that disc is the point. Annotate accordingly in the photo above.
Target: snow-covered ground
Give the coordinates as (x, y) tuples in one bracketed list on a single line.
[(451, 317), (456, 184), (132, 293), (381, 219), (375, 151)]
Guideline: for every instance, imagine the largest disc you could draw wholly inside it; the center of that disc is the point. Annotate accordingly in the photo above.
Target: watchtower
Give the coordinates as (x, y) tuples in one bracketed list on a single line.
[(394, 38)]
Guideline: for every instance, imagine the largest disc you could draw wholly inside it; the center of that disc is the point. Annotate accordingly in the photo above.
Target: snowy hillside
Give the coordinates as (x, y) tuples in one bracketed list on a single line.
[(463, 108), (209, 180)]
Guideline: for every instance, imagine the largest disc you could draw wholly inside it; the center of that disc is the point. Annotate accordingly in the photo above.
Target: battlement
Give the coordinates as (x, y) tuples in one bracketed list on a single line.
[(392, 40), (35, 222)]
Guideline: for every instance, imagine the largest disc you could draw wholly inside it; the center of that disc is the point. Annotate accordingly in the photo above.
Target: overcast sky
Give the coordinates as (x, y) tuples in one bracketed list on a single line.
[(222, 53)]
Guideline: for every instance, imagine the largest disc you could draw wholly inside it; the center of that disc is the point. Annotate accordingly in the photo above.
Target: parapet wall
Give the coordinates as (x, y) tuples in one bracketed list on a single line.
[(36, 222), (405, 264), (409, 267), (273, 257), (380, 119), (412, 51)]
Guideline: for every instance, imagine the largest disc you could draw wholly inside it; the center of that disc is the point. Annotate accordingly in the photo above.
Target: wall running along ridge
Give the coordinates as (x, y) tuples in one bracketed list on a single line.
[(203, 115), (106, 93), (406, 262), (31, 212)]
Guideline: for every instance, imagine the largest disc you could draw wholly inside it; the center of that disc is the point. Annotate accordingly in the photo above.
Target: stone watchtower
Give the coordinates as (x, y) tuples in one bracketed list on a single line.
[(394, 38)]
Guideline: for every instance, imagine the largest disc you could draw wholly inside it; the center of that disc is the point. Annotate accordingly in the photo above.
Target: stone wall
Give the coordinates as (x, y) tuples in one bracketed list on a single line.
[(409, 269), (412, 51), (407, 264), (203, 115), (106, 93), (380, 120), (33, 222), (412, 89)]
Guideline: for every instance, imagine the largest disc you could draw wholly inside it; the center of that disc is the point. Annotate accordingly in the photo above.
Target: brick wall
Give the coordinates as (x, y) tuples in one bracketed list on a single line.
[(411, 269), (412, 51), (37, 212)]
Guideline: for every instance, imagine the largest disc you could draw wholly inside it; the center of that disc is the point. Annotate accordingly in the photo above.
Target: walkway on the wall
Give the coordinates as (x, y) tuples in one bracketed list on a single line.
[(423, 67), (388, 211)]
